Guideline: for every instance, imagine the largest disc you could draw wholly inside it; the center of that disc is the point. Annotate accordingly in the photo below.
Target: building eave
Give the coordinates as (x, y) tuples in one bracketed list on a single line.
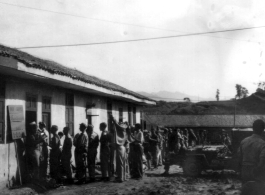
[(19, 69)]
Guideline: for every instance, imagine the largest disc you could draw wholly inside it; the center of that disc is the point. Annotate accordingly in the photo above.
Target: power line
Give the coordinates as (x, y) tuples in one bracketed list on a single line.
[(114, 22), (144, 39)]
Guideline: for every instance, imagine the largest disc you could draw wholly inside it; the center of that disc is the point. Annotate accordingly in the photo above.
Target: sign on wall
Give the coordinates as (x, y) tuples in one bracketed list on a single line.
[(17, 121)]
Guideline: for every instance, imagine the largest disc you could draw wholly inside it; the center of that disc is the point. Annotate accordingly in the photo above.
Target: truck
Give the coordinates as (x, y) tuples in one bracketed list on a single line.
[(196, 159)]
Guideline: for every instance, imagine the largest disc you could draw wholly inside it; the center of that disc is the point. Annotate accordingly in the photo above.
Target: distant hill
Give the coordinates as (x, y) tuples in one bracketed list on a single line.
[(168, 96), (254, 104)]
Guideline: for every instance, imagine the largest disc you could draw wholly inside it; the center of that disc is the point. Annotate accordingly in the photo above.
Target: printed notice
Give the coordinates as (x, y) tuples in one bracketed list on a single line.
[(17, 121)]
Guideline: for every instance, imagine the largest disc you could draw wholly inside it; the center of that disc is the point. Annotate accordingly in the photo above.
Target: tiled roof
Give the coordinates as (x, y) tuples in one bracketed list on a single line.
[(203, 120), (55, 68)]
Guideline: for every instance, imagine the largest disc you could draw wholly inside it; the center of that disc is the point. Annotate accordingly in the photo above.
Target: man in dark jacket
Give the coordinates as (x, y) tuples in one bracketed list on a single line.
[(81, 147), (55, 154), (252, 155), (44, 149), (92, 151), (67, 154), (34, 141)]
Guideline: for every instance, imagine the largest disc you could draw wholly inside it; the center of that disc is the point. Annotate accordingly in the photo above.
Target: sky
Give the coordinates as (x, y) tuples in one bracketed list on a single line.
[(194, 65)]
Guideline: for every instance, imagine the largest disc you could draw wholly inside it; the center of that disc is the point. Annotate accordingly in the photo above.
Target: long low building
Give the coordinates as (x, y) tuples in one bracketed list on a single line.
[(42, 90), (212, 123)]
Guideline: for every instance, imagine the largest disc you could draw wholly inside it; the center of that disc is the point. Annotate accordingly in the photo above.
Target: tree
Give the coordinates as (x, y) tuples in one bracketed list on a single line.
[(261, 85), (187, 99), (241, 92), (217, 94)]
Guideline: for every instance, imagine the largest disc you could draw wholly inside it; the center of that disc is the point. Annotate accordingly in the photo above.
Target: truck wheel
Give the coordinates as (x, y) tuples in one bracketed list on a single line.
[(192, 167)]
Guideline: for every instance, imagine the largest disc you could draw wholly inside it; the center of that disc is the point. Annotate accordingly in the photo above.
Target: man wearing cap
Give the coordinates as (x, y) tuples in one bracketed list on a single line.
[(81, 146), (92, 151), (33, 149), (44, 149), (55, 154)]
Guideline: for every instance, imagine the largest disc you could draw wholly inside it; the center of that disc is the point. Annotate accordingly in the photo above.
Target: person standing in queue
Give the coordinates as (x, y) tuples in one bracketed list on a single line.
[(92, 151), (105, 142), (55, 154), (67, 155), (154, 147), (45, 151), (160, 147), (81, 147), (33, 149), (137, 162), (121, 144), (179, 140), (147, 151)]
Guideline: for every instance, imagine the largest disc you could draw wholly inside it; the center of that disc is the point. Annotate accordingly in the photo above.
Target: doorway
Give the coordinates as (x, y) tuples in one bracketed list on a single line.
[(30, 117)]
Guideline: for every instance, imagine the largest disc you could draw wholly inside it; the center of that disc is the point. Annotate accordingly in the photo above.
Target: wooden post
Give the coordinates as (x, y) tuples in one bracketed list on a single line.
[(18, 164)]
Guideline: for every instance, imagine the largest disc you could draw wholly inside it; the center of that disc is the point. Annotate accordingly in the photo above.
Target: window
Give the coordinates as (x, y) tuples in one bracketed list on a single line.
[(31, 102), (2, 110), (46, 112), (130, 115), (2, 89), (31, 110), (69, 99), (143, 126), (120, 114), (134, 115), (69, 112), (109, 111), (46, 104)]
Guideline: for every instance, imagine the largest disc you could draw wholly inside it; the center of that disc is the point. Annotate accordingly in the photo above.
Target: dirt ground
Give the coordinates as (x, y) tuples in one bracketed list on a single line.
[(153, 183)]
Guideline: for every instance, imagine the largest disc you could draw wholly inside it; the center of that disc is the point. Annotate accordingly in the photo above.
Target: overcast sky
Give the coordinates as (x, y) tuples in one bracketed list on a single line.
[(195, 65)]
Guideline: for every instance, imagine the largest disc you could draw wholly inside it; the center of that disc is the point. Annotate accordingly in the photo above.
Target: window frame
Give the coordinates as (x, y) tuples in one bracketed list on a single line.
[(70, 106)]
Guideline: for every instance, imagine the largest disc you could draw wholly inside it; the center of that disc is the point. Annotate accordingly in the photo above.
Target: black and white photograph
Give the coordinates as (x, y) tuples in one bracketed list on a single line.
[(132, 97)]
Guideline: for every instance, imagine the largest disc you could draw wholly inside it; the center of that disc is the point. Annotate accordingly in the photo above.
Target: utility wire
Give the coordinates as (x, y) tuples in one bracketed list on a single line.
[(114, 22), (144, 39)]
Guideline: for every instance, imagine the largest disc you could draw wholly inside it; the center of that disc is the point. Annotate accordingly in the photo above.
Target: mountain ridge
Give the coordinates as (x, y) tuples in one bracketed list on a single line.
[(171, 96)]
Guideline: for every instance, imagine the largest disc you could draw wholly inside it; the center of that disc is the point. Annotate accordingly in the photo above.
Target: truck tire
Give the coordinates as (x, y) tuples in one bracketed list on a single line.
[(192, 167)]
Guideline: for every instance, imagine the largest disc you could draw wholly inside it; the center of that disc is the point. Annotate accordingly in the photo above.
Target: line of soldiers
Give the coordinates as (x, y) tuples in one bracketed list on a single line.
[(121, 152)]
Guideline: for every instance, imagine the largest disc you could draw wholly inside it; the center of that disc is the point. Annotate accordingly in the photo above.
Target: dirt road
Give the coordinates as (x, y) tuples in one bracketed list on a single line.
[(153, 184)]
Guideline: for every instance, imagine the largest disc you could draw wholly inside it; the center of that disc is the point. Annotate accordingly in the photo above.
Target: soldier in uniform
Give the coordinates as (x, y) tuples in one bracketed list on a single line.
[(252, 159), (204, 137), (160, 147), (147, 150), (44, 149), (252, 154), (81, 147), (105, 142), (55, 154), (179, 140), (92, 151), (184, 140), (33, 149), (137, 161), (192, 138), (67, 154), (175, 144), (154, 146)]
